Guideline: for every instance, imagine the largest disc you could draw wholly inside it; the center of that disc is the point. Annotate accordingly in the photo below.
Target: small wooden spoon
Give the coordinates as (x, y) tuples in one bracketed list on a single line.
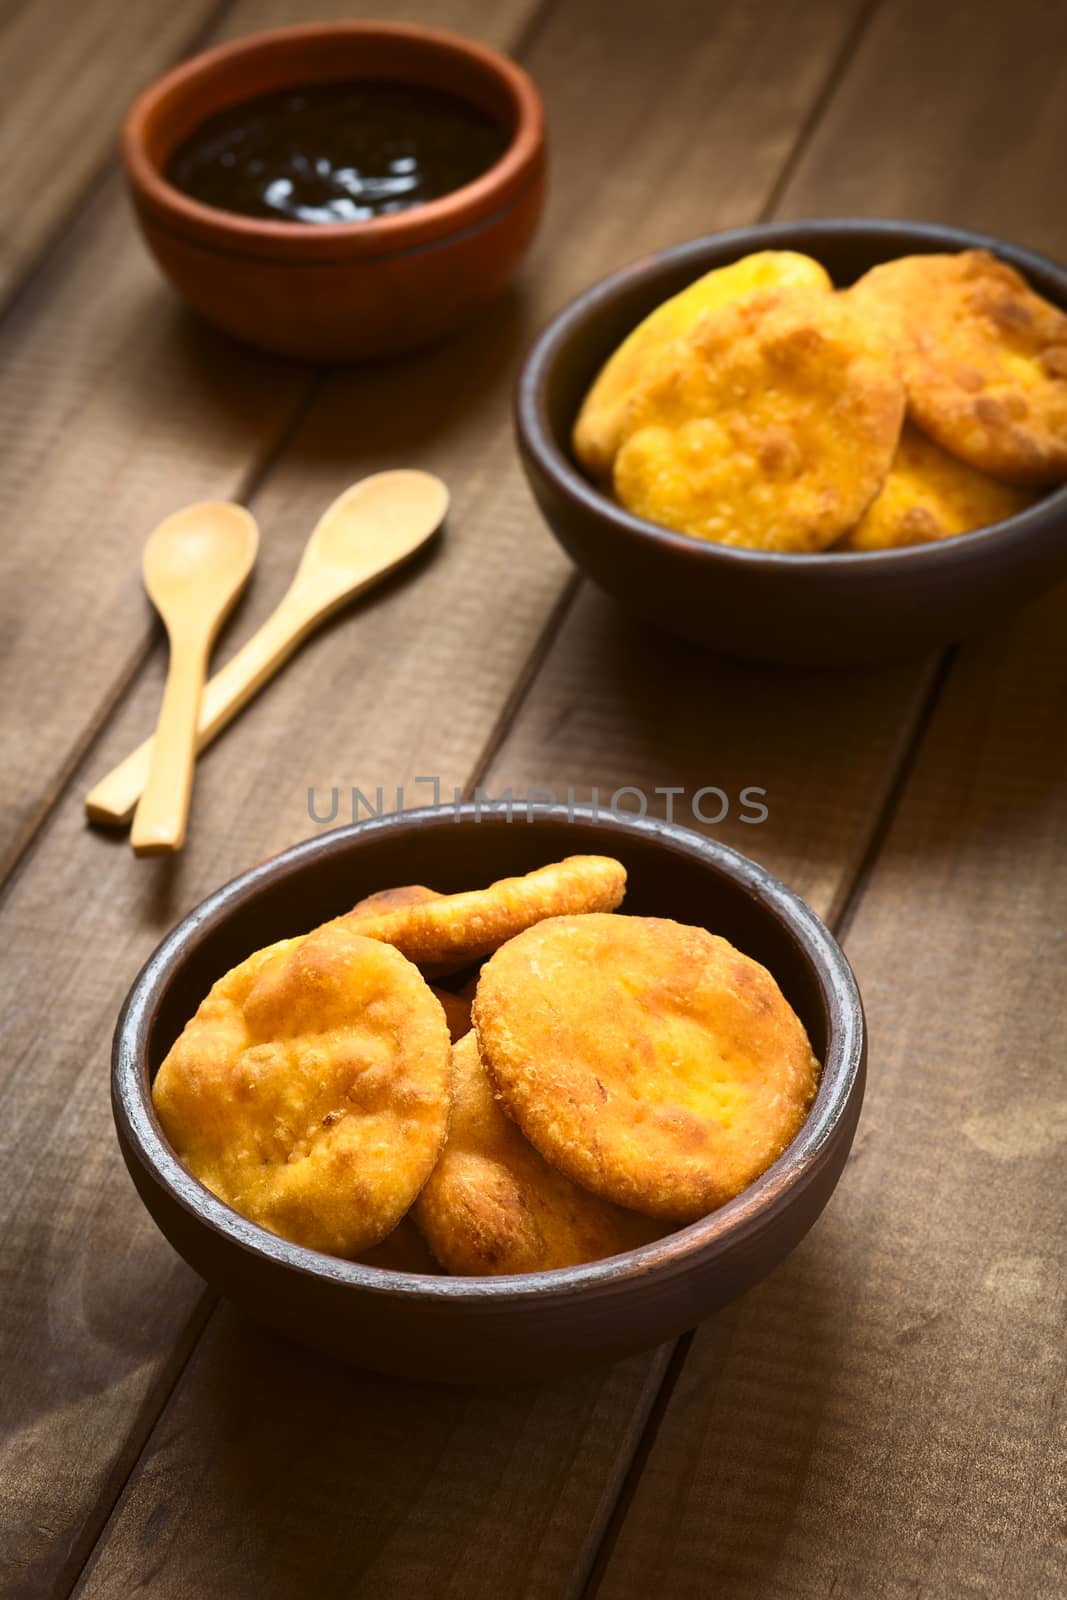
[(195, 565), (367, 532)]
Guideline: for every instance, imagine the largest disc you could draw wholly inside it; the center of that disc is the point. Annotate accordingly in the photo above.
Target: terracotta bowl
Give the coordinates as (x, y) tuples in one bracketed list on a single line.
[(355, 289), (824, 609), (506, 1329)]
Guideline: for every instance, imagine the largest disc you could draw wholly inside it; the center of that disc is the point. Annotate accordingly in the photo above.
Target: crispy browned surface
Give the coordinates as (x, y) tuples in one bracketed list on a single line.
[(772, 425), (601, 422), (985, 360), (649, 1061), (457, 1012), (930, 494), (493, 1205), (383, 900), (403, 1250), (456, 928), (311, 1089)]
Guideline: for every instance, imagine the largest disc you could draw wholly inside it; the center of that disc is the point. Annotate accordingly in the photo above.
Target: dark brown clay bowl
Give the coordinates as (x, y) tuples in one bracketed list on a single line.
[(506, 1329), (352, 290), (819, 609)]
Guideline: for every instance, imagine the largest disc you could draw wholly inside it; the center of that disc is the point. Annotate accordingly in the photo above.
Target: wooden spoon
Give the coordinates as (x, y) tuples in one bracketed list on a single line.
[(195, 565), (367, 532)]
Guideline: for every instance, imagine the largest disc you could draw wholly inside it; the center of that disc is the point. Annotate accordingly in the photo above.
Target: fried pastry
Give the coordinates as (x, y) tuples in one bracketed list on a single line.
[(984, 360), (454, 929), (598, 431), (311, 1090), (771, 427), (650, 1062), (492, 1205), (406, 894), (930, 494), (383, 900)]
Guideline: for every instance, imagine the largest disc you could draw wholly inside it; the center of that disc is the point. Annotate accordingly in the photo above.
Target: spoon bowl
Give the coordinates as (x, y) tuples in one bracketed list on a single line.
[(366, 532), (195, 565), (213, 544)]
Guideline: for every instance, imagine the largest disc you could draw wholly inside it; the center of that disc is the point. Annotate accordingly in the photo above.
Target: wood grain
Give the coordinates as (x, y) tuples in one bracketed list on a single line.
[(617, 704), (879, 1419), (69, 72), (417, 686), (116, 400), (883, 1417), (115, 411), (950, 113), (118, 407), (351, 1484)]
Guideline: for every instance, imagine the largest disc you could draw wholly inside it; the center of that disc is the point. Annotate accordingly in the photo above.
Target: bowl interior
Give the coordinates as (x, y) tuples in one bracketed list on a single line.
[(596, 323), (291, 58)]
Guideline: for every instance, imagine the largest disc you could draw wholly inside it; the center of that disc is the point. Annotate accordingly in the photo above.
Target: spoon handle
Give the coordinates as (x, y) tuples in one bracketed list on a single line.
[(114, 799), (159, 825)]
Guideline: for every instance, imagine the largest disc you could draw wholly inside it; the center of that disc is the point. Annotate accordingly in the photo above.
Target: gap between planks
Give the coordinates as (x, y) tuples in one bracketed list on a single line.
[(151, 1408), (820, 107)]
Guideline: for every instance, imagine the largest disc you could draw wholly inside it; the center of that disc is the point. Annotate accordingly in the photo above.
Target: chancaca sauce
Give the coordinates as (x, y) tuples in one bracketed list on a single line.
[(329, 153)]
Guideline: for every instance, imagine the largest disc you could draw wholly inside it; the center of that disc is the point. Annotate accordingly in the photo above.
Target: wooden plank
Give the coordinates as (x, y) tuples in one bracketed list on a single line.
[(950, 113), (620, 704), (69, 72), (880, 1419), (418, 686), (97, 356), (117, 407), (346, 1484)]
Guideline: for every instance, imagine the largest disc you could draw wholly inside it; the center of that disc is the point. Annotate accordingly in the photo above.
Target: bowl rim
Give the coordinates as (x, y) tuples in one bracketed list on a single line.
[(538, 439), (752, 1213), (475, 202)]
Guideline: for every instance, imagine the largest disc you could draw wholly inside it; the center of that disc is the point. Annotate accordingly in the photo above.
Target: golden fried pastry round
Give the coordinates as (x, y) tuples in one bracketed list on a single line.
[(311, 1090), (772, 427), (492, 1205), (457, 1011), (650, 1062), (984, 360), (930, 494), (403, 1250), (598, 431), (457, 928)]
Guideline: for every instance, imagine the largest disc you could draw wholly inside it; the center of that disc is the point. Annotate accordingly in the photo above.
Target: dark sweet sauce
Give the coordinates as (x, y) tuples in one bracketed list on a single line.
[(336, 152)]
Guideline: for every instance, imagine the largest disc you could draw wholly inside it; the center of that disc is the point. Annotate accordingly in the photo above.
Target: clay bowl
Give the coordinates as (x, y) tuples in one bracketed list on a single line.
[(355, 289), (507, 1329), (821, 609)]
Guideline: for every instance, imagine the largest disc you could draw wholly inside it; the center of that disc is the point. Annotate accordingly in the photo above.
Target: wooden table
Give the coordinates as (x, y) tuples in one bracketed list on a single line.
[(878, 1420)]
